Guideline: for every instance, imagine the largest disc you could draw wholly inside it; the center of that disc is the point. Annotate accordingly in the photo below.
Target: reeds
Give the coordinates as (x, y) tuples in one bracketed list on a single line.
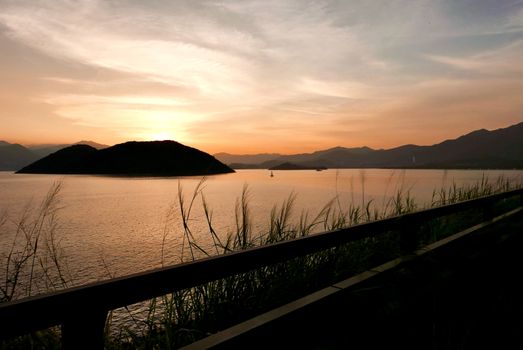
[(34, 263), (185, 316), (188, 315), (35, 260), (484, 187)]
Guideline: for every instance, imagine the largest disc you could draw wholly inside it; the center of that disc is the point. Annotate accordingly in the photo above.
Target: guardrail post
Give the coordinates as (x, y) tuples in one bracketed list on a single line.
[(85, 330)]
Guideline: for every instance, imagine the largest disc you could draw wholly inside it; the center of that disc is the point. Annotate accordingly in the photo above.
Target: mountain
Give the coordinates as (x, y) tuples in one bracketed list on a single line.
[(501, 148), (14, 156), (228, 158), (336, 157), (44, 150), (292, 166), (153, 158), (319, 159), (92, 144), (480, 149)]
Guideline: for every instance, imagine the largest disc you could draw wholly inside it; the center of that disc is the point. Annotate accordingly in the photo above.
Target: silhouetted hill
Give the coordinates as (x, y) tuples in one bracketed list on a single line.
[(325, 158), (228, 158), (92, 144), (501, 149), (14, 156), (292, 166), (154, 158), (45, 150), (245, 166), (337, 157), (70, 160)]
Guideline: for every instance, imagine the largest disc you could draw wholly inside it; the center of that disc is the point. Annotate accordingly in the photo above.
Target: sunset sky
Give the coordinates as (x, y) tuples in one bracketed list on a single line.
[(259, 76)]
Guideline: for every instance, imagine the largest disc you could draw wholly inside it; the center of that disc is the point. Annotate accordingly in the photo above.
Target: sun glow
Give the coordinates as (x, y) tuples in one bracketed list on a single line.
[(157, 126), (161, 136)]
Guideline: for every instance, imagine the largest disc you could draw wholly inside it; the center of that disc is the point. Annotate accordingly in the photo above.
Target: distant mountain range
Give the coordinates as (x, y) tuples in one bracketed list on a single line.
[(153, 158), (15, 156), (293, 166), (228, 158), (480, 149)]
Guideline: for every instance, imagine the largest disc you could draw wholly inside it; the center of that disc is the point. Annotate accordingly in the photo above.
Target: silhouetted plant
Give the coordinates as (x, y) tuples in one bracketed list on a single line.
[(34, 262), (185, 316)]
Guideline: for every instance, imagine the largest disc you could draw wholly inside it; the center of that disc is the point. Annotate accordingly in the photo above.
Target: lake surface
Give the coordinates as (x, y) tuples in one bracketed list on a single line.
[(117, 225)]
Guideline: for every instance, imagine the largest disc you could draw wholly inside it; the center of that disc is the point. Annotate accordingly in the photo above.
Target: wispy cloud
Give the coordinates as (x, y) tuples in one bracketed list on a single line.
[(501, 61), (261, 68)]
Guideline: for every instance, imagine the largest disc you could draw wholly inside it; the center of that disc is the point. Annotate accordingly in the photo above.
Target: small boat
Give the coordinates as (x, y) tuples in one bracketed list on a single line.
[(272, 175)]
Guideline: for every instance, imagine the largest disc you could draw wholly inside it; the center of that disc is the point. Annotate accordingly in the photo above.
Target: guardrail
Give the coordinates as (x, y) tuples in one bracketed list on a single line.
[(82, 311)]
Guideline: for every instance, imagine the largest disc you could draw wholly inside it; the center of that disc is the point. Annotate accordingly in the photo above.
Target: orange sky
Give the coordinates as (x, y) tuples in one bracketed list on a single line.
[(259, 76)]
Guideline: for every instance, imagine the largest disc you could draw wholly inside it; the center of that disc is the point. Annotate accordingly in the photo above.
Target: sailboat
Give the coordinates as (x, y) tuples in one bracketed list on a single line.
[(272, 175)]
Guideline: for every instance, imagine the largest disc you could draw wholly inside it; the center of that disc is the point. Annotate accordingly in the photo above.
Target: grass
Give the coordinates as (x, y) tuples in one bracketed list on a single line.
[(185, 316), (34, 263)]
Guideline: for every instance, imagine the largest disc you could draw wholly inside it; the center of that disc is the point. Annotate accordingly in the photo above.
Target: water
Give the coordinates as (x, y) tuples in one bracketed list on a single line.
[(113, 226)]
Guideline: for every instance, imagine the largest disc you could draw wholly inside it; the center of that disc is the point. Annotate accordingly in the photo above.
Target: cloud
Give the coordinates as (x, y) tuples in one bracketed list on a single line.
[(501, 61), (219, 69), (193, 48), (87, 35)]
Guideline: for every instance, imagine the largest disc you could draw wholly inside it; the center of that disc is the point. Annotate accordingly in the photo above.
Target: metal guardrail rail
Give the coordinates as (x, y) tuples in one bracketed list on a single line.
[(82, 311)]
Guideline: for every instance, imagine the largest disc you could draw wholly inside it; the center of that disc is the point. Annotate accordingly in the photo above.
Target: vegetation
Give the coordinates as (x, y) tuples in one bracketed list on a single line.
[(34, 262), (185, 316)]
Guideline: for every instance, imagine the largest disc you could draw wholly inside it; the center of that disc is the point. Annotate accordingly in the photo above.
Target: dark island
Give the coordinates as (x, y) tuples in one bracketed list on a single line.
[(152, 158)]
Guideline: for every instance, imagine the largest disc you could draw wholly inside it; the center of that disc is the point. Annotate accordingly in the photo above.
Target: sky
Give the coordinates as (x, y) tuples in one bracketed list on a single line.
[(259, 76)]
